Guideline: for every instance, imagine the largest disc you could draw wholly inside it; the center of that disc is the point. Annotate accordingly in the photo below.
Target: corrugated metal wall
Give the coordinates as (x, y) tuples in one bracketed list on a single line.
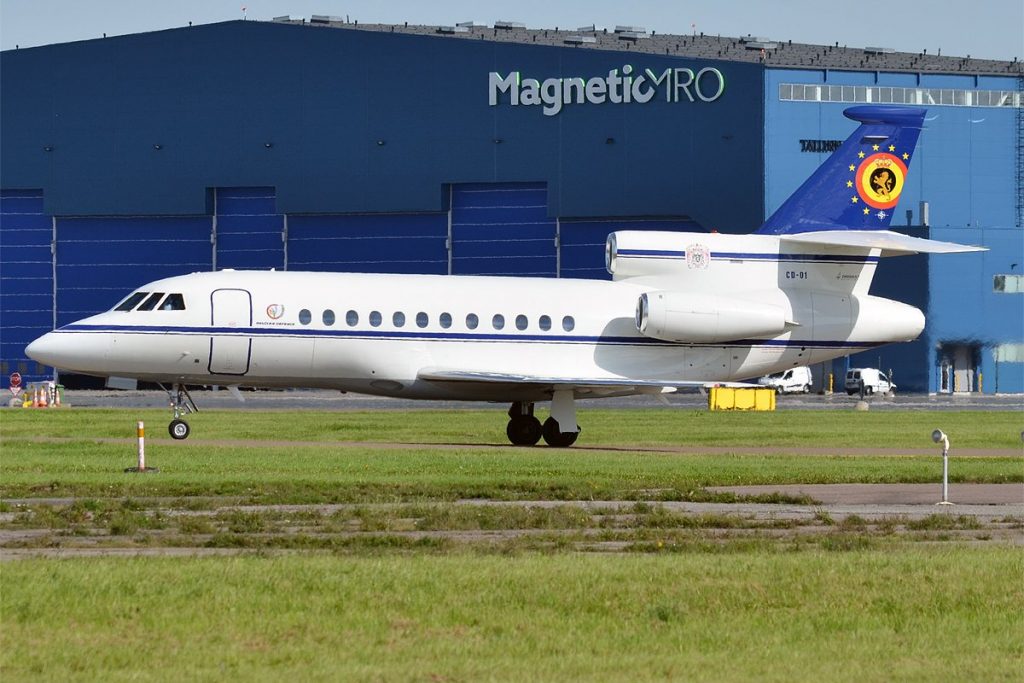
[(369, 243), (502, 229), (100, 260), (249, 229), (26, 280)]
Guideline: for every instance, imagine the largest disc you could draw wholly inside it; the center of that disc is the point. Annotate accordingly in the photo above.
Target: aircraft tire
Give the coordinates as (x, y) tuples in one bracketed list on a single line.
[(555, 437), (524, 430), (179, 429)]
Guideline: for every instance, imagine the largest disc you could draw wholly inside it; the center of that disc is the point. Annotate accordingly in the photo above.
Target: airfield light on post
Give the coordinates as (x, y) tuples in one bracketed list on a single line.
[(939, 436)]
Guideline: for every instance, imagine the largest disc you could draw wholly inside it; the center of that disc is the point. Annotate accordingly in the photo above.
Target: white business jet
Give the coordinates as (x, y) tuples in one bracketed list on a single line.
[(682, 310)]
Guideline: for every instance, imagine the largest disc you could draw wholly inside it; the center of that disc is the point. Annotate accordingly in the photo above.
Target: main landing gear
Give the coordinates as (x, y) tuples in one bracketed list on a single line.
[(526, 430), (182, 403)]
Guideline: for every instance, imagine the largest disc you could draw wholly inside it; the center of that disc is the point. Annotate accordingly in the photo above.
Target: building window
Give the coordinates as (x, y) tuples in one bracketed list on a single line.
[(445, 319), (305, 316), (422, 319), (544, 323), (931, 97), (398, 319), (328, 317), (1008, 353), (472, 321), (1008, 284), (375, 318), (352, 318)]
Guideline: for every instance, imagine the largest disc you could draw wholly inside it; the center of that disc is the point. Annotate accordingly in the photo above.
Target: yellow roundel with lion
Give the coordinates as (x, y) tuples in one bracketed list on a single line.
[(880, 180)]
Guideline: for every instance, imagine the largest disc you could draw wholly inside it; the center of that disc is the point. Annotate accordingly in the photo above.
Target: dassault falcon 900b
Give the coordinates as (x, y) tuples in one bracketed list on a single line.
[(682, 309)]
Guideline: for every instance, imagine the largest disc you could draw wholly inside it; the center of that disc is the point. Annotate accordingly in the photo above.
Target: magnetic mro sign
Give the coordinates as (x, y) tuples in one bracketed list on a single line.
[(625, 87)]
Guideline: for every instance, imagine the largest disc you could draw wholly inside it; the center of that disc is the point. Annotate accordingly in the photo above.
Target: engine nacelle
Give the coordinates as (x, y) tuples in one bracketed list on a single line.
[(705, 318)]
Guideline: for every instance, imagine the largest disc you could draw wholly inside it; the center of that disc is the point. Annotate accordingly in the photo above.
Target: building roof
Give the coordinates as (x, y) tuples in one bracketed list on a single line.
[(750, 49)]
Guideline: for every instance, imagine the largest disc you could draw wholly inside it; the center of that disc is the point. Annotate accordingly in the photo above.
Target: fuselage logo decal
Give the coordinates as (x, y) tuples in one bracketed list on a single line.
[(275, 311), (697, 256), (879, 180)]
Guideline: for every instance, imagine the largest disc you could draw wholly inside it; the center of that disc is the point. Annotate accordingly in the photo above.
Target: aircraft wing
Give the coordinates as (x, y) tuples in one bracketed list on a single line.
[(597, 385), (891, 243)]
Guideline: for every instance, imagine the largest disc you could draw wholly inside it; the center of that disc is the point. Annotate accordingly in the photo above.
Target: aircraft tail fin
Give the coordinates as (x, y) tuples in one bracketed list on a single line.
[(858, 187)]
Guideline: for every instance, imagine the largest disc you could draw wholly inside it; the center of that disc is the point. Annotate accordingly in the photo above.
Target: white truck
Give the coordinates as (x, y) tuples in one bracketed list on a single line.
[(875, 381), (793, 381)]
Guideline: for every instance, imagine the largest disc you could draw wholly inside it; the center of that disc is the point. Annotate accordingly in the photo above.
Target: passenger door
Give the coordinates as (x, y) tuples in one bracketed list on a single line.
[(230, 350)]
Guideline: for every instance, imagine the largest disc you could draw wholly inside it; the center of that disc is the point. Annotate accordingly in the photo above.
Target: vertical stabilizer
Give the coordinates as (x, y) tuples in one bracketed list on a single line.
[(858, 187)]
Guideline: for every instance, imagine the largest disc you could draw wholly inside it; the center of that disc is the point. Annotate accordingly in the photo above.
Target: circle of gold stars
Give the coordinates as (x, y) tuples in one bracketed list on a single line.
[(853, 167)]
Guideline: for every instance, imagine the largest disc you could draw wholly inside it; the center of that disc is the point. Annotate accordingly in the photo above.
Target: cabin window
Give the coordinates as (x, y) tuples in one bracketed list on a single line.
[(173, 302), (375, 318), (328, 317), (150, 303), (352, 318), (305, 317), (521, 322), (422, 319), (131, 302), (472, 321), (568, 323), (398, 319), (445, 319), (498, 321), (544, 323)]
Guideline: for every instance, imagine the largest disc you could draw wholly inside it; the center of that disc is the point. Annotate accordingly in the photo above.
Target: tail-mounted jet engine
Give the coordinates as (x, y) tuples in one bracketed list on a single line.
[(705, 318)]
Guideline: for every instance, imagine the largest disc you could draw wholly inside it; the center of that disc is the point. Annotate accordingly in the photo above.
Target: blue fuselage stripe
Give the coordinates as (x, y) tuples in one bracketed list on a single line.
[(439, 336), (745, 256)]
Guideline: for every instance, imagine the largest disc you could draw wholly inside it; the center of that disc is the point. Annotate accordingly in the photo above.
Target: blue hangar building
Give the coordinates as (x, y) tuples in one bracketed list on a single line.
[(325, 145)]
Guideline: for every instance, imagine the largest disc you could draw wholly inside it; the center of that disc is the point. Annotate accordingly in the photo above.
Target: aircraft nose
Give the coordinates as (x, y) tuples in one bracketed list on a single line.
[(45, 350), (79, 352)]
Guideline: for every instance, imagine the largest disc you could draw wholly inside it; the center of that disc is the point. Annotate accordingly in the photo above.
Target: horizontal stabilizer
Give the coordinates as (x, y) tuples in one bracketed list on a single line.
[(891, 243)]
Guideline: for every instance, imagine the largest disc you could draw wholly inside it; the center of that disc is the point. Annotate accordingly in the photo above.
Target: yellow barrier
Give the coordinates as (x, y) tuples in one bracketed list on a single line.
[(728, 398)]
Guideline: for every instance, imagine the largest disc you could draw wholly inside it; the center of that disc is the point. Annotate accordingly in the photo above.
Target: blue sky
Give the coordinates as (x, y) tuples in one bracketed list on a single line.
[(984, 28)]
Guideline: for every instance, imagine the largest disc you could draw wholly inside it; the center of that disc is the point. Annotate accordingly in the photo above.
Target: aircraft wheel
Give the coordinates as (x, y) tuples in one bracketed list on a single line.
[(553, 435), (524, 430), (179, 429)]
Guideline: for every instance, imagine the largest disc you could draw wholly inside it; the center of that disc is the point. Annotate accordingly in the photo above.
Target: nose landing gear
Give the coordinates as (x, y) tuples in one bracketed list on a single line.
[(182, 403)]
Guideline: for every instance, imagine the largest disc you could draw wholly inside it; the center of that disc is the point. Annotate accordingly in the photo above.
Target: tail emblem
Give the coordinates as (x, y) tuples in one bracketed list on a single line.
[(878, 179)]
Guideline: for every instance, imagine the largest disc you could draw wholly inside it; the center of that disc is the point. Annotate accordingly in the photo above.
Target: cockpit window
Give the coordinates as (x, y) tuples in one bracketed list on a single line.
[(131, 302), (150, 303), (173, 302)]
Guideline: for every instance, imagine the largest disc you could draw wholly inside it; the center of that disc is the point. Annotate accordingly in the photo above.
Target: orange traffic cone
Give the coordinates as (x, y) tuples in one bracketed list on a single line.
[(56, 398), (43, 403), (35, 397)]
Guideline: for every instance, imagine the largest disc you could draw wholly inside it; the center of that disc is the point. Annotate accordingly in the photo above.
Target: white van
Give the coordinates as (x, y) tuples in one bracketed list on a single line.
[(875, 381), (792, 381)]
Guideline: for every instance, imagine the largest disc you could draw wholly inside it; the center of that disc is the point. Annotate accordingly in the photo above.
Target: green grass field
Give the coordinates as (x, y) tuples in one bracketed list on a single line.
[(918, 615), (689, 597), (209, 464)]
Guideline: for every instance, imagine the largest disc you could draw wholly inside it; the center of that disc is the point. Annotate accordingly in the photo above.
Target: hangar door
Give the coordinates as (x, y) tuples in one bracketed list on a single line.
[(369, 243), (502, 229), (249, 229), (230, 309), (26, 281), (101, 259)]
